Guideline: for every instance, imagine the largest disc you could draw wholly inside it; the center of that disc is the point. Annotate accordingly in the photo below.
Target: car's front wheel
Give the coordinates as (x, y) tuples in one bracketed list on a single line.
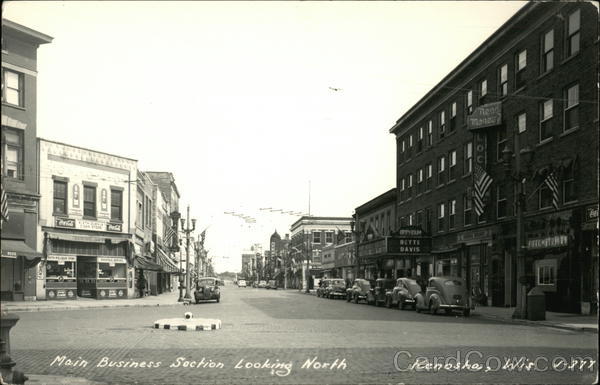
[(356, 298), (218, 299), (388, 302), (467, 312)]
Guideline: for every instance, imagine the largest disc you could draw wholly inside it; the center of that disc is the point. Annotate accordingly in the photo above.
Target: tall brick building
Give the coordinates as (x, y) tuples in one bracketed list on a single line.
[(530, 88)]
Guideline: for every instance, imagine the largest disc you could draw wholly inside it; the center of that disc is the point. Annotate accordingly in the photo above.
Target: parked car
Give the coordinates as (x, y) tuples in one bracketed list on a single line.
[(262, 284), (358, 291), (323, 287), (377, 294), (403, 293), (241, 283), (272, 284), (448, 293), (336, 288), (207, 289)]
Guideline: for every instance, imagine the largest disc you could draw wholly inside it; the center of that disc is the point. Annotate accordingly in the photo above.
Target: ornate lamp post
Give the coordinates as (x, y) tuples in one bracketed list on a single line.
[(519, 178), (187, 231)]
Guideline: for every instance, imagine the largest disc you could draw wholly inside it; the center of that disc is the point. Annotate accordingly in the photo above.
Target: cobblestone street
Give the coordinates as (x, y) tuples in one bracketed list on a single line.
[(288, 337)]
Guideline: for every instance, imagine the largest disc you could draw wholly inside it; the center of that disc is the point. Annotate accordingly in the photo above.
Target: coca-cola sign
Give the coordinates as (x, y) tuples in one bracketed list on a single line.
[(114, 227), (65, 222)]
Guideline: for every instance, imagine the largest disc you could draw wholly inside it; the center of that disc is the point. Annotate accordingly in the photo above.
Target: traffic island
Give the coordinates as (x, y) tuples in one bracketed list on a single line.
[(188, 323)]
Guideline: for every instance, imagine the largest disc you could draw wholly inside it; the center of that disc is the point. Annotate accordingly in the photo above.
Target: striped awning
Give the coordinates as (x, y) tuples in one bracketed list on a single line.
[(143, 263), (166, 262)]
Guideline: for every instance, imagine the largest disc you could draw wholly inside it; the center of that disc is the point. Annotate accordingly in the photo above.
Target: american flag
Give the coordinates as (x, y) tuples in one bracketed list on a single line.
[(552, 184), (481, 183), (169, 234)]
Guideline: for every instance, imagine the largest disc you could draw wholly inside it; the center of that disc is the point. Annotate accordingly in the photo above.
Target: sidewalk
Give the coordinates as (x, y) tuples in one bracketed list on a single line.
[(557, 320), (35, 379), (165, 299)]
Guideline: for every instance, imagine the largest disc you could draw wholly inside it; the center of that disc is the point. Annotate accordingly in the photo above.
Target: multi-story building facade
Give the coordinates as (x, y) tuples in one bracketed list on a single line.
[(309, 236), (85, 222), (528, 89), (278, 258), (20, 256)]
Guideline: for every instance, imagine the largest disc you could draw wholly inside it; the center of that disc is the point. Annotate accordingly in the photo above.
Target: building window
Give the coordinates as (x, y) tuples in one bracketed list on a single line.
[(501, 202), (483, 91), (441, 170), (420, 140), (139, 222), (420, 181), (89, 201), (520, 64), (546, 275), (501, 141), (316, 236), (402, 189), (411, 219), (544, 197), (442, 123), (548, 51), (148, 217), (60, 198), (12, 87), (522, 122), (573, 22), (503, 80), (410, 185), (468, 158), (468, 210), (571, 107), (469, 103), (419, 218), (441, 217), (116, 205), (428, 176), (569, 187), (453, 117), (329, 237), (428, 220), (12, 144), (546, 120), (451, 213), (430, 133), (452, 165)]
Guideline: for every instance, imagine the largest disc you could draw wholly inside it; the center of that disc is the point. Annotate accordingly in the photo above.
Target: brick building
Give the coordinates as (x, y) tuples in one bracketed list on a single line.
[(20, 247), (529, 88)]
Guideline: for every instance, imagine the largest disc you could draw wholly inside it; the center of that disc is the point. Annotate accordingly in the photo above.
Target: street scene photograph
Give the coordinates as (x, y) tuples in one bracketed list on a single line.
[(299, 192)]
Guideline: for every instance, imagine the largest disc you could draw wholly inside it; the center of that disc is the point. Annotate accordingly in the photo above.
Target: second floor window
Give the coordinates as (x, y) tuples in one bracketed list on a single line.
[(441, 170), (574, 23), (546, 115), (13, 146), (116, 205), (451, 213), (468, 210), (316, 236), (12, 87), (468, 158), (571, 107), (441, 217), (503, 80), (329, 237), (60, 198), (520, 64), (548, 51), (569, 187), (89, 201), (544, 197)]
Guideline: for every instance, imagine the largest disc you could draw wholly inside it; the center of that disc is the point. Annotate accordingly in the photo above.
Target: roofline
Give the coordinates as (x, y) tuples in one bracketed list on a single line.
[(391, 192), (172, 180), (500, 32), (30, 34), (318, 218), (84, 148)]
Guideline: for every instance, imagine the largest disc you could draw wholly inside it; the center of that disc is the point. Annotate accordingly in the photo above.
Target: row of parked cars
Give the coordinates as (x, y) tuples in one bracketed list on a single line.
[(441, 293), (272, 284)]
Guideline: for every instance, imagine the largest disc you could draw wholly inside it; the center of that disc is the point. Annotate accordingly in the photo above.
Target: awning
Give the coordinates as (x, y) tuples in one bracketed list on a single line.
[(85, 238), (165, 261), (141, 262), (17, 248)]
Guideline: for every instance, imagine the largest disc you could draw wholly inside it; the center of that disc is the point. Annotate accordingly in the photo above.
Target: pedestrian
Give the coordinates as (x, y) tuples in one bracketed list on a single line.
[(142, 284)]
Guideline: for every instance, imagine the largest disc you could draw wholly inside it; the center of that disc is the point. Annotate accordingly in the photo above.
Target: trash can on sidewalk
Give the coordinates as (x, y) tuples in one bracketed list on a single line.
[(536, 304)]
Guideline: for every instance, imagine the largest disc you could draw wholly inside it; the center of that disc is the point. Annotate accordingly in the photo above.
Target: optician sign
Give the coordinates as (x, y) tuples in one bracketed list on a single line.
[(487, 115), (61, 259)]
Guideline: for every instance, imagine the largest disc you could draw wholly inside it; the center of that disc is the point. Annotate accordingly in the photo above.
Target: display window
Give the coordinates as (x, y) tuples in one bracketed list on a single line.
[(112, 271)]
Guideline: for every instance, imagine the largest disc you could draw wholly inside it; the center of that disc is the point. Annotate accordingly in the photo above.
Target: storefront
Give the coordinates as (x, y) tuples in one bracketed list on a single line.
[(61, 276), (589, 251), (17, 258), (102, 277)]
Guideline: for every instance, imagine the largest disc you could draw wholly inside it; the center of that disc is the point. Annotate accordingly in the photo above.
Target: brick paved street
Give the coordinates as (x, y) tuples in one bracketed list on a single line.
[(286, 327)]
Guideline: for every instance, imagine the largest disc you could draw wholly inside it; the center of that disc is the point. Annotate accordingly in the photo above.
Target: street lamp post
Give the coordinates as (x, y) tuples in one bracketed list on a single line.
[(180, 299), (519, 178), (187, 231)]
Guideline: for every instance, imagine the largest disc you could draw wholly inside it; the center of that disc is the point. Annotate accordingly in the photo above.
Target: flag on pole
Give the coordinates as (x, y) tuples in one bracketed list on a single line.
[(170, 233), (481, 183), (552, 184), (340, 236)]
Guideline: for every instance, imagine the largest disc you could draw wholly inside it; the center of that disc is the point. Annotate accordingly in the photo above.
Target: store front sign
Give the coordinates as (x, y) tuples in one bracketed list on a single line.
[(548, 242), (591, 213), (65, 222), (90, 225), (114, 227), (110, 260), (61, 259), (9, 254), (475, 235), (487, 115)]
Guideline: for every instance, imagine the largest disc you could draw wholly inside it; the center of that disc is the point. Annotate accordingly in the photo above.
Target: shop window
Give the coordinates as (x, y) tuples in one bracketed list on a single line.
[(441, 170), (329, 237), (546, 115), (111, 271), (544, 197), (12, 144), (442, 130), (12, 87), (316, 236), (452, 165), (573, 36), (451, 213), (452, 117), (501, 141), (503, 80), (547, 51), (545, 273), (441, 211), (116, 205), (571, 112), (428, 176), (468, 158), (468, 210), (89, 201), (60, 198), (60, 269), (520, 65)]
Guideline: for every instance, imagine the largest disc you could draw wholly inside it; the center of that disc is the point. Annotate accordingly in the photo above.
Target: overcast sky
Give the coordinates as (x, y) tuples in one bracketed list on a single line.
[(236, 100)]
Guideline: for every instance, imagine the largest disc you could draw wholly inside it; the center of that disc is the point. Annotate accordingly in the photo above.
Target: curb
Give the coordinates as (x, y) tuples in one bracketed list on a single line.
[(36, 309), (538, 323)]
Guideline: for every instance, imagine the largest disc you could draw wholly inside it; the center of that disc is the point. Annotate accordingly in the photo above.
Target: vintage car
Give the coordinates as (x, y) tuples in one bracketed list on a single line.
[(403, 293), (262, 284), (207, 289), (377, 294), (323, 287), (241, 283), (336, 288), (272, 284), (448, 293), (359, 290)]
